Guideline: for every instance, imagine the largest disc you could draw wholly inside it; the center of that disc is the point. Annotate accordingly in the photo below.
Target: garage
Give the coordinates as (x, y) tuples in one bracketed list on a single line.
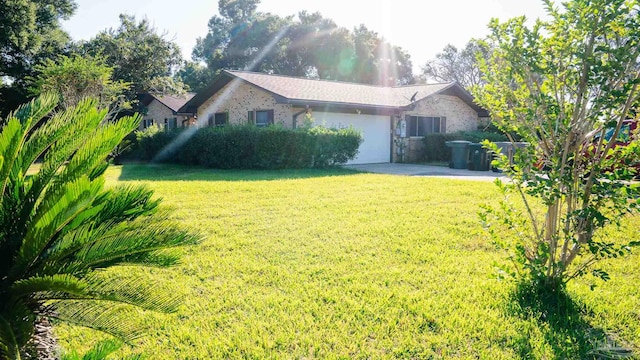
[(375, 130)]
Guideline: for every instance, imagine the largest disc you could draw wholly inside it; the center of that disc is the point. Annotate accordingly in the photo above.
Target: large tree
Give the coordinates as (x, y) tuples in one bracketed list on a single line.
[(29, 28), (30, 32), (309, 45), (138, 54), (461, 65), (241, 37), (562, 85)]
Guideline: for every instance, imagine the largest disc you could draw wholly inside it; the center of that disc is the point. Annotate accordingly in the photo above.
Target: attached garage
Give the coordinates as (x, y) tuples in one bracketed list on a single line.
[(444, 107), (375, 130)]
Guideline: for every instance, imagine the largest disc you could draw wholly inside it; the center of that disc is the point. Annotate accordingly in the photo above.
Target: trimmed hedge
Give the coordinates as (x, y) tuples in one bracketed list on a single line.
[(250, 147), (436, 149)]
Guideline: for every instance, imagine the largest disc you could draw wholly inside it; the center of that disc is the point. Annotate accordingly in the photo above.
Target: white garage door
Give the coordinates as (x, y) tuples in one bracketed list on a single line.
[(375, 129)]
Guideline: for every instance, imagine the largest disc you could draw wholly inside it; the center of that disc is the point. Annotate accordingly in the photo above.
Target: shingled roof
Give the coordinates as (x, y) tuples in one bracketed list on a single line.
[(301, 91), (173, 102)]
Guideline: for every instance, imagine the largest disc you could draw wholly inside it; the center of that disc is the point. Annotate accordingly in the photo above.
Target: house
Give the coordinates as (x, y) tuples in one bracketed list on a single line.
[(162, 110), (382, 114)]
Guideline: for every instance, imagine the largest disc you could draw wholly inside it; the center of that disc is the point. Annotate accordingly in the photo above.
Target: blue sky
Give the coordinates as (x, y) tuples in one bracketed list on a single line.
[(422, 27)]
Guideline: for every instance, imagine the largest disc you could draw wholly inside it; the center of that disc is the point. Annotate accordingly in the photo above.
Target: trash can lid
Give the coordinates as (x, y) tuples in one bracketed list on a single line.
[(457, 143)]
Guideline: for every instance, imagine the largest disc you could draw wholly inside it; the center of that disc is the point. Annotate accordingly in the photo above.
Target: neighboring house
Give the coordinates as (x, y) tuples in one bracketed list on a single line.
[(162, 110), (382, 114)]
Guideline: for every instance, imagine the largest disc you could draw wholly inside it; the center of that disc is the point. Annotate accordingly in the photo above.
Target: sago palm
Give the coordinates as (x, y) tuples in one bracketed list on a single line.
[(60, 227)]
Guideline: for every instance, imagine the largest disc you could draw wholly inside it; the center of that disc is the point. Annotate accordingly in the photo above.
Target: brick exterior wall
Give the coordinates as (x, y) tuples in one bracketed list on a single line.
[(460, 117), (159, 112), (238, 98)]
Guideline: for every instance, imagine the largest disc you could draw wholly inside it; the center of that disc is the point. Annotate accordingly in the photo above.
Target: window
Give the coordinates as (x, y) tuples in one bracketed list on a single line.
[(147, 122), (261, 118), (218, 119), (171, 123), (423, 125)]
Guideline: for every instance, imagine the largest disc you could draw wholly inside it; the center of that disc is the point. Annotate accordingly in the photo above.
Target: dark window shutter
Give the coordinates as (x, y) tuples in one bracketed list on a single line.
[(271, 116), (211, 120), (251, 117), (412, 123), (443, 124)]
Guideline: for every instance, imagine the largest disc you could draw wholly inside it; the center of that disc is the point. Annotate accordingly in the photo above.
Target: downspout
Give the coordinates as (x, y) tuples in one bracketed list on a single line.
[(295, 116)]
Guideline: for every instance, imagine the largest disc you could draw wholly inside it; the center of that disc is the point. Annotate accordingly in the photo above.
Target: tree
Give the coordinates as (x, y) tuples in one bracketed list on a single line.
[(61, 228), (27, 28), (309, 46), (195, 76), (560, 85), (242, 38), (75, 78), (137, 54), (461, 65), (29, 33)]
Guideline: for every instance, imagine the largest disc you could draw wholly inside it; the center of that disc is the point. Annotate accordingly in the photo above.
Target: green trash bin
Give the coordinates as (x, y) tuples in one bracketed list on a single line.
[(459, 153), (478, 158)]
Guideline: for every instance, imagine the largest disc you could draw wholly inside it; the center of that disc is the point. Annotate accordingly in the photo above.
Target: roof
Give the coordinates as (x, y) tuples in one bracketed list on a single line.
[(302, 91), (173, 102)]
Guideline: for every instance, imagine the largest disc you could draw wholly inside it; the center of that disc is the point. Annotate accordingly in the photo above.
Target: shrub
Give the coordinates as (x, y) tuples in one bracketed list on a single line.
[(60, 228), (437, 150), (151, 140), (334, 146), (249, 147)]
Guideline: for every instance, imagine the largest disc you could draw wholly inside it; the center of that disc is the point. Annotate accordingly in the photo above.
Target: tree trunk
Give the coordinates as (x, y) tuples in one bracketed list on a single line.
[(43, 345)]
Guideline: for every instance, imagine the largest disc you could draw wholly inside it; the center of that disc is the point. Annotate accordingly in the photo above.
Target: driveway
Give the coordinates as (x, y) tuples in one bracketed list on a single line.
[(426, 170)]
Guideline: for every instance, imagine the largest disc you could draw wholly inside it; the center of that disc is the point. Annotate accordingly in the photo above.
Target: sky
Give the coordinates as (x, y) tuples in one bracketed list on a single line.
[(421, 27)]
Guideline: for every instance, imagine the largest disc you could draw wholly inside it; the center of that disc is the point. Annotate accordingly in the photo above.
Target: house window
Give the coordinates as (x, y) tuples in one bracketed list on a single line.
[(219, 119), (261, 118), (147, 122), (171, 123), (423, 125)]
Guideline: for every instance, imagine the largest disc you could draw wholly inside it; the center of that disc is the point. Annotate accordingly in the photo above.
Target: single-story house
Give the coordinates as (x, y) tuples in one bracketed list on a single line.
[(162, 110), (384, 115)]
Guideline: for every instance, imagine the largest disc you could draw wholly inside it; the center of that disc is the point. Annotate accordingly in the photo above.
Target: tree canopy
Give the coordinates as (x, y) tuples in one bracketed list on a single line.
[(138, 54), (30, 32), (307, 45), (461, 65), (30, 29)]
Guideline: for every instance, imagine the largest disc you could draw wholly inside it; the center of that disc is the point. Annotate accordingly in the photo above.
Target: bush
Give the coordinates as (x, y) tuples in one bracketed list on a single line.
[(151, 140), (437, 150), (249, 147)]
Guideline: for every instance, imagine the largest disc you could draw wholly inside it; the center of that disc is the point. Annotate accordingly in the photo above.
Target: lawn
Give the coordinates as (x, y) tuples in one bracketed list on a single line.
[(337, 264)]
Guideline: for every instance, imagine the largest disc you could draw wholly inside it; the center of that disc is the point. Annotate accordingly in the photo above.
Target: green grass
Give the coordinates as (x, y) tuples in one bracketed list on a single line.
[(336, 264)]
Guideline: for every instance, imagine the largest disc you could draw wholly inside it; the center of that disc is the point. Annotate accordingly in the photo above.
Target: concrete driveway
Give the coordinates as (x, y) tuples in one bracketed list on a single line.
[(426, 170)]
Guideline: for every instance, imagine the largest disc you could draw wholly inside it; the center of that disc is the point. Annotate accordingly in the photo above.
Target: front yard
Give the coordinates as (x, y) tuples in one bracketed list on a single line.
[(336, 264)]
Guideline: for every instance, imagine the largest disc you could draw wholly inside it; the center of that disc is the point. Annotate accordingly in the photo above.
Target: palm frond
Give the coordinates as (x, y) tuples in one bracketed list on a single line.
[(93, 152), (9, 348), (99, 351), (60, 256), (37, 108), (48, 287), (53, 214), (106, 316), (139, 238), (132, 290), (59, 137), (69, 122), (15, 130), (127, 203)]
